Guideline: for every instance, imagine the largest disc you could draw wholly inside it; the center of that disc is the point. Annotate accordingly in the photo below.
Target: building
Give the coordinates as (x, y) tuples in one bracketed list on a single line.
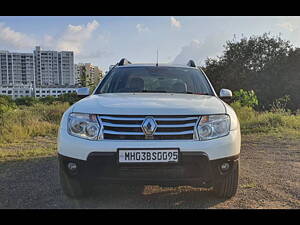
[(17, 91), (53, 68), (91, 73), (16, 68), (55, 91), (40, 68), (29, 91), (38, 74)]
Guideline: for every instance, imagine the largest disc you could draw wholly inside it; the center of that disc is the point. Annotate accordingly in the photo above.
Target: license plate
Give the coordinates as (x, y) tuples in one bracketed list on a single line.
[(144, 156)]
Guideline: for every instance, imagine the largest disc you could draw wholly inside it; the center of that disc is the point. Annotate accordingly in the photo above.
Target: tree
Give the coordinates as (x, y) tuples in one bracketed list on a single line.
[(258, 63), (83, 77)]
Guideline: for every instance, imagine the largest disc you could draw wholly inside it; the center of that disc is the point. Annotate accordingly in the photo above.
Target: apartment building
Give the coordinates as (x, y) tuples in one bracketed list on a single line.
[(38, 74), (54, 68), (40, 68), (91, 73), (16, 68)]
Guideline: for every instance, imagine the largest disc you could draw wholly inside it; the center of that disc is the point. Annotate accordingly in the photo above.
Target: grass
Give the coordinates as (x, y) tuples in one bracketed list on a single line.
[(276, 124), (29, 132), (35, 148), (26, 122)]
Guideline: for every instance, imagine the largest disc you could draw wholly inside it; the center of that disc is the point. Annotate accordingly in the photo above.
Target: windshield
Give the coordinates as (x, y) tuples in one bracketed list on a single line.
[(155, 79)]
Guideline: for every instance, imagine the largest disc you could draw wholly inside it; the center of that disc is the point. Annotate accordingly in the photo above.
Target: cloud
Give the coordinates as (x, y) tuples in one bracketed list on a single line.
[(14, 39), (84, 40), (198, 50), (74, 38), (290, 23), (142, 28), (175, 23), (94, 54), (287, 26)]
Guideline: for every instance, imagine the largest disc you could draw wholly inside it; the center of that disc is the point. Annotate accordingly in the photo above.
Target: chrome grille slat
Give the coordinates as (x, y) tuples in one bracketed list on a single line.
[(122, 118), (138, 125), (175, 119), (120, 125), (141, 133), (142, 118), (176, 125), (129, 127), (122, 133)]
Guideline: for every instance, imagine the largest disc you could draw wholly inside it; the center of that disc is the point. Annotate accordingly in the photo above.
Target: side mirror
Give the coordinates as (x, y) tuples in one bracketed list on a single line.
[(83, 92), (226, 95)]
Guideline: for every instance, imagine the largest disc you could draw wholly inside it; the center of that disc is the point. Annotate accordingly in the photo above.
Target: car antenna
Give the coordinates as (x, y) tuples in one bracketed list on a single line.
[(157, 57)]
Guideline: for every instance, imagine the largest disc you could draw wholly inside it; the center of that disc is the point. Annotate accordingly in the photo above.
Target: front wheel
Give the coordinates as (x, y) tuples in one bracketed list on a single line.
[(227, 186)]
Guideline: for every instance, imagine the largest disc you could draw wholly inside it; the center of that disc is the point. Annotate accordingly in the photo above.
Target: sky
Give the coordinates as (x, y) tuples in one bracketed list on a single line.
[(104, 40)]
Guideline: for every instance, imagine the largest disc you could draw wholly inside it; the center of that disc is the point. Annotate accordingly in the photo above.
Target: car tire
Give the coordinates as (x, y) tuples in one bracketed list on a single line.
[(227, 185), (71, 187)]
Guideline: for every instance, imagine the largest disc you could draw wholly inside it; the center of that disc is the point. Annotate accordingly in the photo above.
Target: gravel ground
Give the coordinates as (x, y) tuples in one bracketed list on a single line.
[(269, 178)]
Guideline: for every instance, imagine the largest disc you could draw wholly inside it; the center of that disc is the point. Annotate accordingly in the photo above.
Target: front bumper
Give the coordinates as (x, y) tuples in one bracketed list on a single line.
[(193, 168), (218, 148)]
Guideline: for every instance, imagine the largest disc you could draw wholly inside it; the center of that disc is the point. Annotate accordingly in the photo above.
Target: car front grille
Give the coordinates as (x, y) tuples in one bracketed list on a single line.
[(125, 127)]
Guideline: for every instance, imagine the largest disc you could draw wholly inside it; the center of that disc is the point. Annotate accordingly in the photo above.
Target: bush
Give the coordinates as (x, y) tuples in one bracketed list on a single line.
[(27, 101), (48, 100), (6, 100), (246, 98), (6, 104), (71, 98), (279, 105)]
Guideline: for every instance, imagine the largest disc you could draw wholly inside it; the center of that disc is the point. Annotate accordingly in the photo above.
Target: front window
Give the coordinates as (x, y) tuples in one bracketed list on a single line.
[(155, 79)]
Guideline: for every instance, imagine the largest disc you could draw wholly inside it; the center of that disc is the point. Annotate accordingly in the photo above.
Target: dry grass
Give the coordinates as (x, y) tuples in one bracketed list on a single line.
[(27, 122), (268, 123), (35, 148)]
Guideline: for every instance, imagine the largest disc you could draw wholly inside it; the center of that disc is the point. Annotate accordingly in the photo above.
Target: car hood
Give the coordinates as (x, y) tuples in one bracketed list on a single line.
[(149, 104)]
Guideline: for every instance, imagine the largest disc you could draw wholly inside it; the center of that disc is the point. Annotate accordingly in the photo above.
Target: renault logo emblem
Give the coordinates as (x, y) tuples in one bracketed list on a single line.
[(149, 126)]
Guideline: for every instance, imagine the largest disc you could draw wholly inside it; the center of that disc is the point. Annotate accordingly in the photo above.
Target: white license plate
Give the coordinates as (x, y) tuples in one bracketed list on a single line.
[(141, 156)]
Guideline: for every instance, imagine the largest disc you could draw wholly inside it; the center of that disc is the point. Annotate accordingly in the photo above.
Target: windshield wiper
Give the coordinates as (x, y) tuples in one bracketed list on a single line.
[(193, 93)]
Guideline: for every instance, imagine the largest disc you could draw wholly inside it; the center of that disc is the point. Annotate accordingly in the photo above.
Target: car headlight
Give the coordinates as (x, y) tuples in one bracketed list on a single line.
[(85, 126), (213, 126)]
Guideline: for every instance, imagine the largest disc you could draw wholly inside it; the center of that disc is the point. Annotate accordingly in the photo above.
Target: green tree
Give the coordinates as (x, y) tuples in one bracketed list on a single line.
[(259, 63), (83, 77)]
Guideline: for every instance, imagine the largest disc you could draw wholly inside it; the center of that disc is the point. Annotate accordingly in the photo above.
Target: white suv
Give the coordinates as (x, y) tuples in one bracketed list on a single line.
[(151, 124)]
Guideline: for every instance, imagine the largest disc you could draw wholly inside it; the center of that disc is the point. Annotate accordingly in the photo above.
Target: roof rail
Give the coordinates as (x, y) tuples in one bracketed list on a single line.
[(191, 63), (123, 62)]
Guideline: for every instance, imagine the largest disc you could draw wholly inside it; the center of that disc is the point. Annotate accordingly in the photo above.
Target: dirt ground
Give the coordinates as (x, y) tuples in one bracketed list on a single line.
[(269, 178)]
